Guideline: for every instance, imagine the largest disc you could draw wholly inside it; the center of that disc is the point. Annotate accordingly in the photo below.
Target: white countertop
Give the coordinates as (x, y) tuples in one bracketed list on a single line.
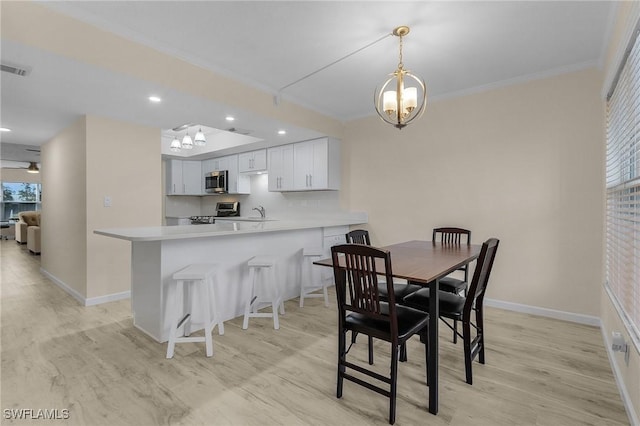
[(229, 227)]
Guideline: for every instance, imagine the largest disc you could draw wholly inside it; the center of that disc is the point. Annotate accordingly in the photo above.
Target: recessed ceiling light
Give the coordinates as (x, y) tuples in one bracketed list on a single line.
[(155, 99), (229, 118), (282, 132), (4, 129)]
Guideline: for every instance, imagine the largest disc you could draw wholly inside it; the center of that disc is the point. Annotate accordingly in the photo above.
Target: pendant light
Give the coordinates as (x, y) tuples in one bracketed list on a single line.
[(187, 143), (175, 145), (199, 139), (401, 106)]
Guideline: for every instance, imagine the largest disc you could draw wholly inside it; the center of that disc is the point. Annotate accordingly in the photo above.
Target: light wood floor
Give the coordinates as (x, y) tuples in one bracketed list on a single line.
[(57, 354)]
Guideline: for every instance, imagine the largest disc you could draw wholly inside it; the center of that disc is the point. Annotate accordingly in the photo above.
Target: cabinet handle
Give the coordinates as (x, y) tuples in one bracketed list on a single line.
[(311, 181), (174, 187), (184, 187)]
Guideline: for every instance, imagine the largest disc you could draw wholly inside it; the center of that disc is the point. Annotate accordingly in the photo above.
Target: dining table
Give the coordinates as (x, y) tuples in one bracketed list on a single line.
[(425, 263)]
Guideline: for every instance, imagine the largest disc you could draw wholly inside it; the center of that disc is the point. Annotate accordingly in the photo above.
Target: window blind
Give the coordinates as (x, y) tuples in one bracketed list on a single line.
[(623, 191)]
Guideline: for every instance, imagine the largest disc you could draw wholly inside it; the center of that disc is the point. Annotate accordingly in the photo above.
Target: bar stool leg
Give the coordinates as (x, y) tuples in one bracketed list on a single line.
[(209, 321), (250, 299), (175, 313)]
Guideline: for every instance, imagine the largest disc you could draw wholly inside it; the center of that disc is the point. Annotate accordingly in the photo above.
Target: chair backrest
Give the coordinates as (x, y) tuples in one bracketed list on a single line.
[(357, 283), (450, 235), (358, 236), (481, 274)]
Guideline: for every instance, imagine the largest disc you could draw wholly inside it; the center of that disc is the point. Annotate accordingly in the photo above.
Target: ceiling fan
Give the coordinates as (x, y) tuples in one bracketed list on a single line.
[(30, 167)]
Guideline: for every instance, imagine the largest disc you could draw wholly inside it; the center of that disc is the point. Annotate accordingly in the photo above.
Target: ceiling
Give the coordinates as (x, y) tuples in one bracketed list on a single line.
[(457, 47)]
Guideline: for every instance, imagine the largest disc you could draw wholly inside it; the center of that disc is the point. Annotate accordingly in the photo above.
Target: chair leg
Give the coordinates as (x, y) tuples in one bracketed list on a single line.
[(370, 350), (480, 325), (342, 337), (403, 352), (394, 384), (455, 332), (466, 337)]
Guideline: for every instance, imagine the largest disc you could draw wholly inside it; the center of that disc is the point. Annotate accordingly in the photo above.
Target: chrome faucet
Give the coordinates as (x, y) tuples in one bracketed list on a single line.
[(261, 210)]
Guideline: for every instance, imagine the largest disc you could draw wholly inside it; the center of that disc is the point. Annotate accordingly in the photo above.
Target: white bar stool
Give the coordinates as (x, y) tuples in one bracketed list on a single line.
[(264, 266), (308, 283), (201, 278)]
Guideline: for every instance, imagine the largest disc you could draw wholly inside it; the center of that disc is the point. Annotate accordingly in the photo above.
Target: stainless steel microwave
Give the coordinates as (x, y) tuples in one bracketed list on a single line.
[(217, 182)]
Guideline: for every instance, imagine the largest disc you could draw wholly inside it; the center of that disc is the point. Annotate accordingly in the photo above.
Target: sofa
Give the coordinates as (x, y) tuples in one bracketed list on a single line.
[(28, 227)]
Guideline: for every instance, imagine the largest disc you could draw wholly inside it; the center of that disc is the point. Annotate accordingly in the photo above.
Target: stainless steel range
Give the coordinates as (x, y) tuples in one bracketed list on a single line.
[(202, 220)]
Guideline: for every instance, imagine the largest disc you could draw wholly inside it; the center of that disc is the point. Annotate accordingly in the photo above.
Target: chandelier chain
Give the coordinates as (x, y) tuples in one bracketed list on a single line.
[(400, 64)]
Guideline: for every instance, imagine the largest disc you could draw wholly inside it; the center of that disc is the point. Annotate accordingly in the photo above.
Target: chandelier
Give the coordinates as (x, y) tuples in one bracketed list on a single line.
[(401, 106)]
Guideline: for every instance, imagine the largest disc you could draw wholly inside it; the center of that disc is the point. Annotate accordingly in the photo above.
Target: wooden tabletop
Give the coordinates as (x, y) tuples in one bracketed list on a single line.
[(425, 261)]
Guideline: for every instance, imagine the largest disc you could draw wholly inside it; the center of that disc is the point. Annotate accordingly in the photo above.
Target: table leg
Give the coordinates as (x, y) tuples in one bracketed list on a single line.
[(433, 346)]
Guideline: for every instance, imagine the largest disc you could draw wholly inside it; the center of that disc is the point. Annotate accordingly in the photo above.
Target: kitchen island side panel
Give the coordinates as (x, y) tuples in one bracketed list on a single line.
[(155, 262), (147, 289)]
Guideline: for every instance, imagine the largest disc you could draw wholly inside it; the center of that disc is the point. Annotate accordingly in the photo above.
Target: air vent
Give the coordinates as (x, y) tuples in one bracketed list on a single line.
[(238, 131), (14, 69)]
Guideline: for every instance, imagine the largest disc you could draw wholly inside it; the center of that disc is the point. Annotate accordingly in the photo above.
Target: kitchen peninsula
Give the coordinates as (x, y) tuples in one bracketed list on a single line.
[(158, 252)]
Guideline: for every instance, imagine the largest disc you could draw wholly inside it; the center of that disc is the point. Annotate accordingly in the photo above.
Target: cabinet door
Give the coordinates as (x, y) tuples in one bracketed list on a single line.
[(275, 168), (245, 161), (280, 168), (208, 166), (303, 165), (253, 161), (174, 181), (192, 177), (318, 178), (260, 159)]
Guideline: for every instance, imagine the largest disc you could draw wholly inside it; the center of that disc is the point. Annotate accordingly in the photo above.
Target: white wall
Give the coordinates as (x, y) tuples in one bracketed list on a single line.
[(93, 158), (522, 163), (123, 163), (64, 214)]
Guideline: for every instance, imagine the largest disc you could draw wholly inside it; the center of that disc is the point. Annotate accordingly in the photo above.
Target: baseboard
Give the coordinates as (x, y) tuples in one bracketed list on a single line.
[(624, 394), (544, 312), (91, 301)]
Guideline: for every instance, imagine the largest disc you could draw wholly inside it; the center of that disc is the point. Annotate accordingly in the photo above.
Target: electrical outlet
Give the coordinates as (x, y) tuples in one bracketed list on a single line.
[(617, 342), (107, 201)]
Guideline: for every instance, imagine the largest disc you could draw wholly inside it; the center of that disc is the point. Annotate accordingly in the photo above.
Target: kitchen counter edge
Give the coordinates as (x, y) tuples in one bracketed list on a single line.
[(224, 228)]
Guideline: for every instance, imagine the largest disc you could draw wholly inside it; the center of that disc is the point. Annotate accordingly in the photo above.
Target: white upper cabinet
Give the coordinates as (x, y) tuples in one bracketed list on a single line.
[(280, 168), (305, 166), (253, 161), (184, 177), (316, 165)]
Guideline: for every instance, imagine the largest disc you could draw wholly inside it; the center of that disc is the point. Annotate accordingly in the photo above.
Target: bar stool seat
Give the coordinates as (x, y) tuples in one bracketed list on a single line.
[(308, 284), (266, 292), (200, 278)]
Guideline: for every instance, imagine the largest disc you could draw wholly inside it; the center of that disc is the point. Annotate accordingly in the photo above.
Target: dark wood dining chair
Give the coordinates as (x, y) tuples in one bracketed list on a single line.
[(453, 236), (362, 310), (400, 290), (462, 308)]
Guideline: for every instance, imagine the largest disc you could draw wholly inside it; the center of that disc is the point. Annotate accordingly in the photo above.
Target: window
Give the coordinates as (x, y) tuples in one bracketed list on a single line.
[(623, 191), (19, 197)]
